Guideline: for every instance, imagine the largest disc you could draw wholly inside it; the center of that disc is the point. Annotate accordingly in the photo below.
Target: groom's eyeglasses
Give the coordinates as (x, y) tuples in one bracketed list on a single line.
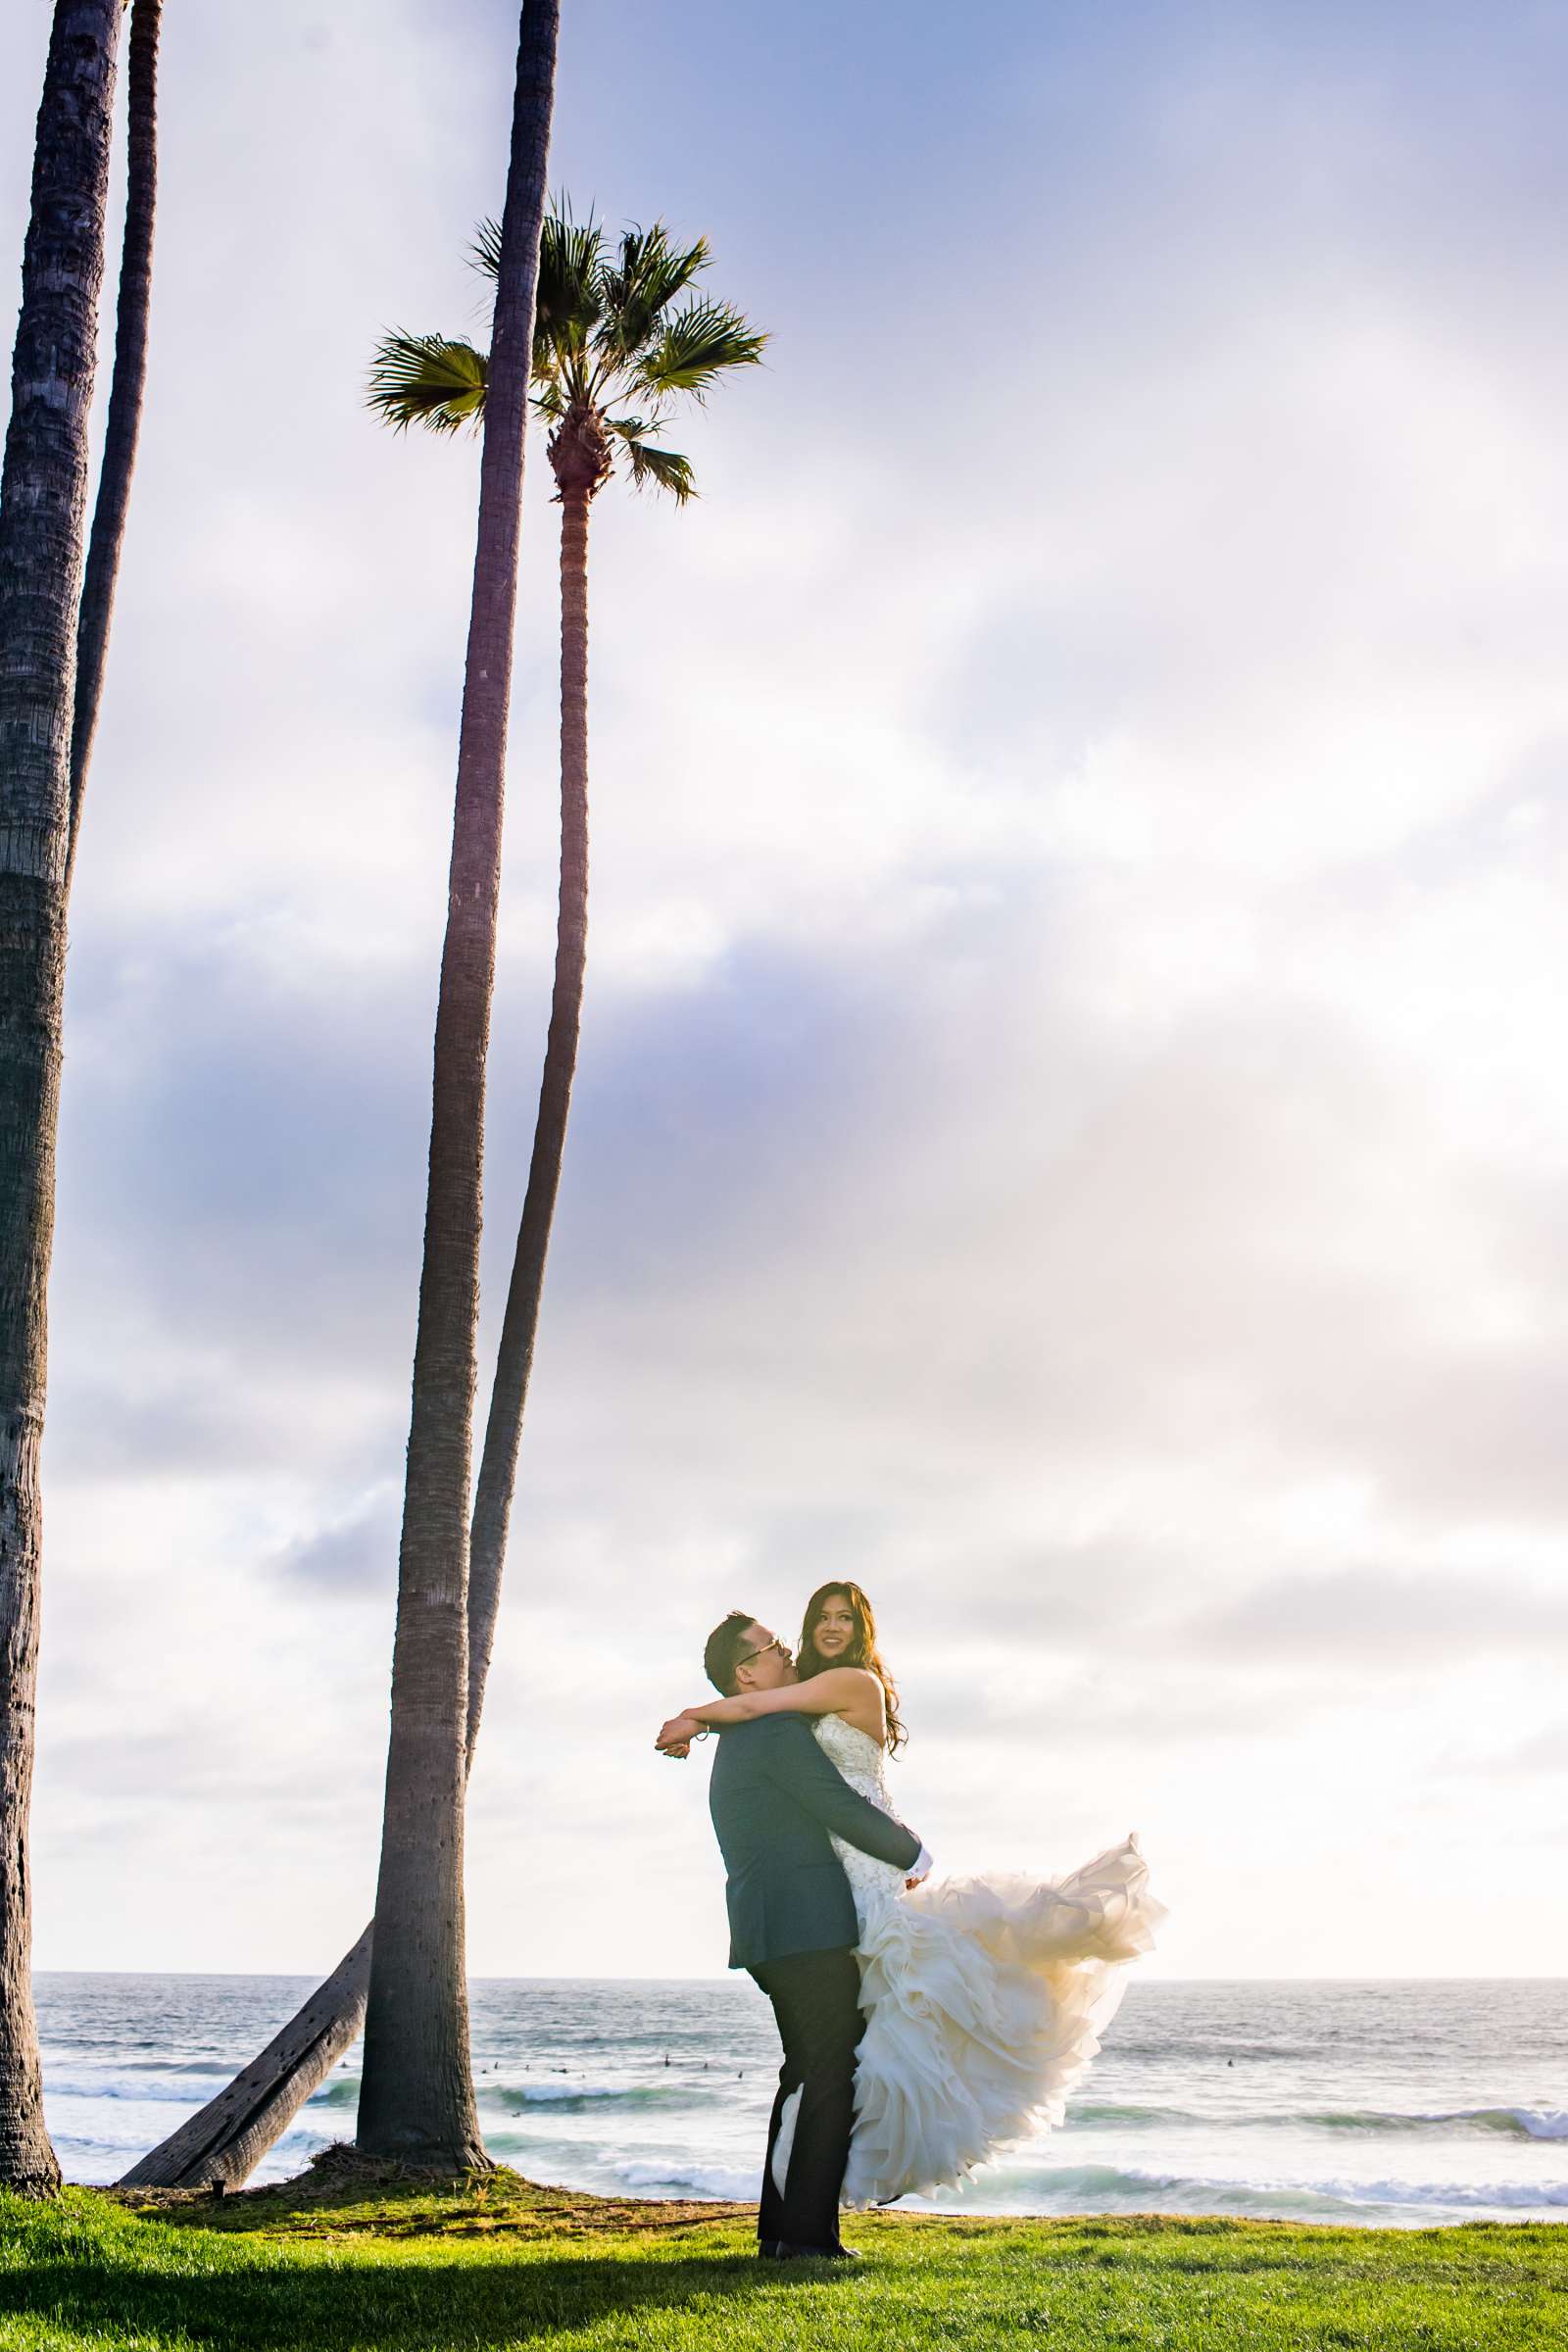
[(782, 1648)]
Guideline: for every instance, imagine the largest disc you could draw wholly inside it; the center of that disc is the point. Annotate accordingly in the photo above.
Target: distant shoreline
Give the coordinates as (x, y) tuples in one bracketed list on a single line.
[(314, 1976)]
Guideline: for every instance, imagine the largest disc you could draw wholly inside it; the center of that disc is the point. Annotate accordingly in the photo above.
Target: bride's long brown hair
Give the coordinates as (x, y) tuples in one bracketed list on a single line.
[(862, 1651)]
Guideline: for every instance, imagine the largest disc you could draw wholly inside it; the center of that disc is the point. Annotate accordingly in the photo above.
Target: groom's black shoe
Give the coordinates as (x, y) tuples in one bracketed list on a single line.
[(780, 2249)]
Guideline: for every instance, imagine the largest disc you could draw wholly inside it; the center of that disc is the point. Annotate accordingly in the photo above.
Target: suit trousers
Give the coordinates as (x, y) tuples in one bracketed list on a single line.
[(817, 2002)]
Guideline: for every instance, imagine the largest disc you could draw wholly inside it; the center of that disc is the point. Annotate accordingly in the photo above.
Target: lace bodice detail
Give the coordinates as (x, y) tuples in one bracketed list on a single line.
[(857, 1755), (863, 1764)]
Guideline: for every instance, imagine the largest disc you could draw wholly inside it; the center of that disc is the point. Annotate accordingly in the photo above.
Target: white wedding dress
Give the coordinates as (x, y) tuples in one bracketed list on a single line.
[(984, 1997)]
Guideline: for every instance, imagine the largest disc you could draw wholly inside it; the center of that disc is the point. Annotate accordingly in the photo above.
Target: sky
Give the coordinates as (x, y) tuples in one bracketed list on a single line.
[(1072, 1121)]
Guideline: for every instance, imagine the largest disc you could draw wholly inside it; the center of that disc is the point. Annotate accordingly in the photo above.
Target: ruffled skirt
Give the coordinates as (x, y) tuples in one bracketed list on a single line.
[(985, 2001)]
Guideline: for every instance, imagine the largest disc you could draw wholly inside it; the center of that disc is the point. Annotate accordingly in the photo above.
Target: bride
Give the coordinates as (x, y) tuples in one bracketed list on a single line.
[(984, 1996)]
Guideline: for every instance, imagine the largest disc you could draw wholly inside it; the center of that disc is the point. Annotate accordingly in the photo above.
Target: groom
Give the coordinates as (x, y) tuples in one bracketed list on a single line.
[(774, 1796)]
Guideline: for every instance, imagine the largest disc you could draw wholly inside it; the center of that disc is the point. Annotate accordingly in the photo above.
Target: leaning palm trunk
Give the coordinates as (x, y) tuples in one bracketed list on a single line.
[(498, 1466), (222, 2143), (124, 400), (225, 2140), (417, 2096), (43, 495), (442, 384)]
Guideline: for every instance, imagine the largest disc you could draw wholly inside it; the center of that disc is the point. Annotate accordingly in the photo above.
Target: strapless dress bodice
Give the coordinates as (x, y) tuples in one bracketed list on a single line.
[(859, 1758), (862, 1761)]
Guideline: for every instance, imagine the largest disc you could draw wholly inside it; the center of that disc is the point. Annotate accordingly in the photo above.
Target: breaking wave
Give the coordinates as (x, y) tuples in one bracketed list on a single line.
[(723, 2184), (1513, 2123), (567, 2099), (1103, 2187)]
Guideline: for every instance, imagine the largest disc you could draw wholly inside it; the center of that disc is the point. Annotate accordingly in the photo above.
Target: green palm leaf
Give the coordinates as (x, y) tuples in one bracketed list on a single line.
[(649, 463), (603, 333), (570, 301), (571, 298), (644, 281), (693, 349), (433, 380), (664, 468), (485, 252)]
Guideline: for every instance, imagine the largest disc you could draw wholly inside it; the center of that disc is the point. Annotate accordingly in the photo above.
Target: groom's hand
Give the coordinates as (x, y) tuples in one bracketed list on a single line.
[(675, 1739)]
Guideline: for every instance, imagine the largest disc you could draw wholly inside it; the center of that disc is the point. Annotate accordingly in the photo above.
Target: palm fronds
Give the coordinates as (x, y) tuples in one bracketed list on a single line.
[(642, 283), (485, 251), (434, 381), (696, 347), (571, 298), (569, 302), (650, 465), (604, 333)]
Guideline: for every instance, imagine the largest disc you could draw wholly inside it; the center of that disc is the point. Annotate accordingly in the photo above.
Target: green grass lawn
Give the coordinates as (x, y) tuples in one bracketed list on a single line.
[(339, 2260)]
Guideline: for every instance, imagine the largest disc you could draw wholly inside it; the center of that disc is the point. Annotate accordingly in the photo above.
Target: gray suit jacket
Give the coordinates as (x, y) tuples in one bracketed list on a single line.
[(774, 1796)]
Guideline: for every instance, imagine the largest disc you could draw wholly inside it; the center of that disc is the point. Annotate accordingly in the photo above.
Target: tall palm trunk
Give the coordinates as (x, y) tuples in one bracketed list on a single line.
[(498, 1466), (416, 2097), (43, 495), (225, 2140), (124, 400)]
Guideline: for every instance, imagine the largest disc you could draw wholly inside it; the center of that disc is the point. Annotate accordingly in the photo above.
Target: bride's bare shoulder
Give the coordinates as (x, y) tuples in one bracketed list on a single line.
[(855, 1693), (851, 1682)]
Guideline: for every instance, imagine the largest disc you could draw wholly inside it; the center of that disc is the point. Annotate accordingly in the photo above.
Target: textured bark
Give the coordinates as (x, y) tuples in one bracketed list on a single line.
[(124, 400), (43, 495), (417, 2096), (498, 1465), (229, 2137)]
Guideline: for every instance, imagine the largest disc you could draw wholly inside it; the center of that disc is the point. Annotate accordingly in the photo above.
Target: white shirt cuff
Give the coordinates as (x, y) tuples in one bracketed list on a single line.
[(923, 1864)]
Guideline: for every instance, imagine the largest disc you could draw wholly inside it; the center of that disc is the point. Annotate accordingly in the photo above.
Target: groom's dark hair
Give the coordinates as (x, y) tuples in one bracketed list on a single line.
[(724, 1646)]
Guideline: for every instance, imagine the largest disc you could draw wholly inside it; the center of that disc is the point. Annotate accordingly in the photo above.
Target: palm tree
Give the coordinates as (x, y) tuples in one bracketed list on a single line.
[(598, 316), (612, 355), (124, 400), (416, 2097), (43, 497)]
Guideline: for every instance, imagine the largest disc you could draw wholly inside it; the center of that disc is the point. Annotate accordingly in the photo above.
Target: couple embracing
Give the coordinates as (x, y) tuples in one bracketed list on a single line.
[(926, 2022)]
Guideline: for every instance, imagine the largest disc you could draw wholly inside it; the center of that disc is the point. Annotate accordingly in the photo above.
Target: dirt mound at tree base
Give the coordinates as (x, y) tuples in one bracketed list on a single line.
[(343, 2192)]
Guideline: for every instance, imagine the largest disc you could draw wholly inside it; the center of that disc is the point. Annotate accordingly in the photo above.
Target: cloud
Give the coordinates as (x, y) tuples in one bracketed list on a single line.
[(1544, 1752), (1070, 1126), (355, 1555), (1373, 1622)]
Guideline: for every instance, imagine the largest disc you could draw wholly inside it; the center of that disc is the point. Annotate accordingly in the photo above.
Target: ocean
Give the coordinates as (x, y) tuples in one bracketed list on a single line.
[(1379, 2103)]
